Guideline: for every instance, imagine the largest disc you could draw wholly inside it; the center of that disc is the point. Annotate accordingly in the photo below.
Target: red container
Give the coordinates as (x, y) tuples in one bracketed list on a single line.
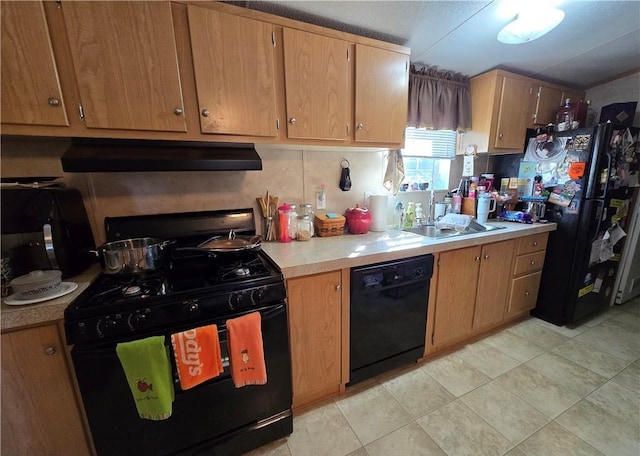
[(358, 220)]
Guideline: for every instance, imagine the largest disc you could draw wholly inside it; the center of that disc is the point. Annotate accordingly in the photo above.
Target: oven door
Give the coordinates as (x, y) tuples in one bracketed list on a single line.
[(203, 417)]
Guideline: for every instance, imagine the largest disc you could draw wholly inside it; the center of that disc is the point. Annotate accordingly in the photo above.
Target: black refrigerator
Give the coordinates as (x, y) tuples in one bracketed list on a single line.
[(589, 200)]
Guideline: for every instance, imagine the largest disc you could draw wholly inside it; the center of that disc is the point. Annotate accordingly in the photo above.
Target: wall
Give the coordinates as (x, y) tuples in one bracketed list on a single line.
[(292, 174)]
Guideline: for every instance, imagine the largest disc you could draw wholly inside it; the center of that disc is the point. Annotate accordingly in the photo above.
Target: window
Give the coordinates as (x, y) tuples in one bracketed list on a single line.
[(427, 157)]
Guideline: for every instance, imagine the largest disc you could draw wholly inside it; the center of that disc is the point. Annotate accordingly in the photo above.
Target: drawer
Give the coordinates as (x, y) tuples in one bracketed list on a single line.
[(524, 293), (526, 264), (533, 243)]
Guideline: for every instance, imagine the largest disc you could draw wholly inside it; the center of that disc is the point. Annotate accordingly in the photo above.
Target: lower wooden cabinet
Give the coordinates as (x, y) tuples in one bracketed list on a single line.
[(40, 413), (315, 330), (527, 271)]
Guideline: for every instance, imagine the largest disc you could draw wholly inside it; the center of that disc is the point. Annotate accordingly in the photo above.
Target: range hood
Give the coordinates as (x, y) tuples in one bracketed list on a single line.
[(88, 155)]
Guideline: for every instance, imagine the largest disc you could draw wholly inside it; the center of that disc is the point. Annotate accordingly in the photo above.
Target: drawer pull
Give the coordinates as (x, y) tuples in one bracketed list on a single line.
[(535, 243), (50, 350), (532, 263), (526, 293)]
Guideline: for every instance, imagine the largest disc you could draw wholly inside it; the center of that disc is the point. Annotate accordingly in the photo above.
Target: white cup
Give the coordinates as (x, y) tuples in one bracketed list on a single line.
[(439, 210)]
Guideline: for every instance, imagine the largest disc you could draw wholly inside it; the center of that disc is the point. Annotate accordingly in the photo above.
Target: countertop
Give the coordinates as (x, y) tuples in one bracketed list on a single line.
[(320, 254)]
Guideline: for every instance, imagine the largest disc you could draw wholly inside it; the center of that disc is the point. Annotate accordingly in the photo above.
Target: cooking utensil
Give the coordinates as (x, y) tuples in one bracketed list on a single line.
[(132, 256), (231, 244), (358, 220), (37, 284)]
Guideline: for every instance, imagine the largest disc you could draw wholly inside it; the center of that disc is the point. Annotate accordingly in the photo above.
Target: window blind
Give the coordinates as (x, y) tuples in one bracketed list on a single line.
[(421, 142)]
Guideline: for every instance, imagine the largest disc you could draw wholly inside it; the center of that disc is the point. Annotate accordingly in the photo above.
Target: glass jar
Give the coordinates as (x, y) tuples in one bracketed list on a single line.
[(293, 221), (304, 228), (307, 209)]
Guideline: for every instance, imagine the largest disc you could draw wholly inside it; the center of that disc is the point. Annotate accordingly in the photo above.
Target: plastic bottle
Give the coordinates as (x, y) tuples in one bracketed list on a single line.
[(397, 215), (284, 223), (457, 203), (419, 215), (472, 190), (409, 216), (448, 201)]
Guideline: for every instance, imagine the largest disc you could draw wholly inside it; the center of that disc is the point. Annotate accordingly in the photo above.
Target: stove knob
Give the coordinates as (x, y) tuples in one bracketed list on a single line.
[(105, 326), (234, 300), (191, 307), (256, 296), (139, 319)]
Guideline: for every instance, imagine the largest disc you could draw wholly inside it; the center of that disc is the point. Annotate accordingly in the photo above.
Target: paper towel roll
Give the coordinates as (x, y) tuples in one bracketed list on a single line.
[(378, 209)]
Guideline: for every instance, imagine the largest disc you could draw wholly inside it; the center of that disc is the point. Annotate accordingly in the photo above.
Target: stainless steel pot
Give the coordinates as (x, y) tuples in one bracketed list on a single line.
[(132, 256)]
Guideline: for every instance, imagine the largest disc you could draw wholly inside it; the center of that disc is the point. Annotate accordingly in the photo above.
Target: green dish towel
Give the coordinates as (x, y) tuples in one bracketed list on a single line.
[(148, 370)]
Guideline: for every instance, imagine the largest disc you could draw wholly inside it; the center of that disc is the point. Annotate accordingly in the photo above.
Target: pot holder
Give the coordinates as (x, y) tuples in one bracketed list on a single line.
[(345, 176)]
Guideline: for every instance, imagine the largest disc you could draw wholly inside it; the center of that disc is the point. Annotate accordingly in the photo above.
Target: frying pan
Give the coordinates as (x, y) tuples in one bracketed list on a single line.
[(230, 245)]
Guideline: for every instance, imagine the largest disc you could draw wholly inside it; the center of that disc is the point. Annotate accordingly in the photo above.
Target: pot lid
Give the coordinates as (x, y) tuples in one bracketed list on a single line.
[(37, 277), (357, 210)]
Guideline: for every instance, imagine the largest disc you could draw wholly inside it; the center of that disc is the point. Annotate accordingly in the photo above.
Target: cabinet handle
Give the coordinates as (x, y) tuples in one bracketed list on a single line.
[(477, 258), (292, 121), (50, 350), (205, 113), (360, 126), (532, 263), (535, 243), (338, 287), (486, 256), (53, 101), (526, 293), (501, 135), (177, 111)]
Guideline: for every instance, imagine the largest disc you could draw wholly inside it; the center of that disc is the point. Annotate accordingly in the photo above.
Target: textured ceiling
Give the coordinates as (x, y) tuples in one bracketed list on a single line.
[(598, 39)]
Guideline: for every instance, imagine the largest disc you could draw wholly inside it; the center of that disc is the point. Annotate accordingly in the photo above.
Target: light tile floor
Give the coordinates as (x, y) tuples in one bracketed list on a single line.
[(532, 389)]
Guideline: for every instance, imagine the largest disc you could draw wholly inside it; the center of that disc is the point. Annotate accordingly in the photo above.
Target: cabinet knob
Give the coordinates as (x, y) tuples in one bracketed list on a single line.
[(338, 287), (501, 135), (360, 126), (526, 293), (53, 101), (532, 263), (486, 256), (535, 243), (292, 121), (477, 258), (50, 350), (205, 113), (177, 111)]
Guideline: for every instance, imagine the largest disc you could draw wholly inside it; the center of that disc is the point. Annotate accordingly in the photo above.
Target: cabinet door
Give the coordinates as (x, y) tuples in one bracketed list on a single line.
[(382, 90), (456, 295), (524, 293), (39, 410), (548, 101), (315, 331), (233, 64), (493, 283), (126, 65), (315, 71), (31, 93), (512, 115)]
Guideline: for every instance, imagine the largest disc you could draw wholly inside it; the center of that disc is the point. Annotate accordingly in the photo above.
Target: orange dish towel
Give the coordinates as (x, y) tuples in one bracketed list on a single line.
[(246, 354), (197, 355)]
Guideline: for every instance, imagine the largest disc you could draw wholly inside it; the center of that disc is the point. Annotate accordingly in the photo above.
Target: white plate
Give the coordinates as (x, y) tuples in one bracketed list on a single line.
[(65, 288)]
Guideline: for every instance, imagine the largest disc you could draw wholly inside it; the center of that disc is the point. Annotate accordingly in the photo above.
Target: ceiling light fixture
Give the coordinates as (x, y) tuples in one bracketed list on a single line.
[(530, 24)]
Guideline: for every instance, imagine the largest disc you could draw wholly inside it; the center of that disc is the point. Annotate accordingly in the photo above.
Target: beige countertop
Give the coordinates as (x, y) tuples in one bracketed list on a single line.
[(13, 316), (322, 254)]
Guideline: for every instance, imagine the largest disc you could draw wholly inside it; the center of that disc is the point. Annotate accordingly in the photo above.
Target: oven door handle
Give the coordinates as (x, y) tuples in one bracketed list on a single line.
[(264, 315)]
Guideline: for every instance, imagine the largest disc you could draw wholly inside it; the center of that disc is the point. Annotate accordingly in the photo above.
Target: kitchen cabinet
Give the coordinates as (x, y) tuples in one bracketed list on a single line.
[(315, 331), (471, 291), (125, 62), (526, 274), (40, 413), (31, 91), (503, 106), (316, 80), (381, 95), (233, 59)]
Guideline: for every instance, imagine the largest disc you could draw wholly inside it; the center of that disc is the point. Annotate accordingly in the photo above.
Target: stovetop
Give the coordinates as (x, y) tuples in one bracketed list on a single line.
[(190, 289)]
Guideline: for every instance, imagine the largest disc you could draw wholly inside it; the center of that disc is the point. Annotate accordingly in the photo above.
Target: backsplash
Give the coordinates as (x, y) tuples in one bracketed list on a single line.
[(292, 174)]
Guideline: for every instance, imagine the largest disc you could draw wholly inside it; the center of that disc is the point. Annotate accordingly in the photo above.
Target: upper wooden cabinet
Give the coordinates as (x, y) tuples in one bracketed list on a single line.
[(503, 106), (126, 65), (233, 59), (316, 78), (382, 88), (31, 93)]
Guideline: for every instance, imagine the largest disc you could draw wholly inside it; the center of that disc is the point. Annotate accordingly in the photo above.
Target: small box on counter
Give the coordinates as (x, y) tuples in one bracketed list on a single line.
[(329, 224)]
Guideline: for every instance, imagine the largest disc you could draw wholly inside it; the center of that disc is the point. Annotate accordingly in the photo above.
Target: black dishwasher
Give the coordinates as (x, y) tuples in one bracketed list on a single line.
[(388, 315)]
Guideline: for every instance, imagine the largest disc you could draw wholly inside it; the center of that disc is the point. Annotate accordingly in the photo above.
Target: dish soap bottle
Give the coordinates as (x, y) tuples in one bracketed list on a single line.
[(409, 216), (418, 221)]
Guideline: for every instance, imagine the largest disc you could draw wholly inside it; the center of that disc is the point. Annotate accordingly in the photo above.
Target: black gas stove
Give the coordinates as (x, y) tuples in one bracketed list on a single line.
[(192, 286)]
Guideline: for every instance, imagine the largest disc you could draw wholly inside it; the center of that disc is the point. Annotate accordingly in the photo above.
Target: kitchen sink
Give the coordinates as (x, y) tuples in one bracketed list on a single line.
[(433, 232)]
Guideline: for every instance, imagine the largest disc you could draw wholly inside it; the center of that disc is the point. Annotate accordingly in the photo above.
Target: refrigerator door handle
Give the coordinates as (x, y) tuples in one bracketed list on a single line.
[(606, 182), (600, 214)]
